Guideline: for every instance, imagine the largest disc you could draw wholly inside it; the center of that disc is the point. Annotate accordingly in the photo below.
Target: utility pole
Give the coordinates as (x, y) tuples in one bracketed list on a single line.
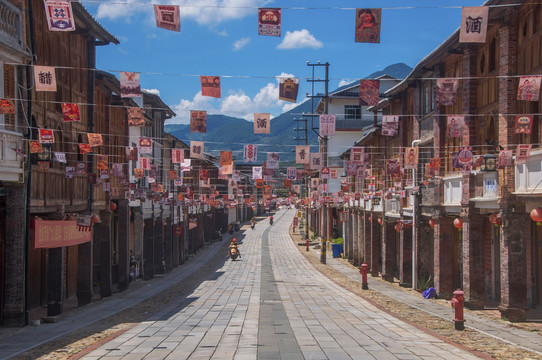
[(324, 139)]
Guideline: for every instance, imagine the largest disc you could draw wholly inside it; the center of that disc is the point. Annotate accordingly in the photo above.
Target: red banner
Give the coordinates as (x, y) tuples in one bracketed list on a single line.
[(54, 234)]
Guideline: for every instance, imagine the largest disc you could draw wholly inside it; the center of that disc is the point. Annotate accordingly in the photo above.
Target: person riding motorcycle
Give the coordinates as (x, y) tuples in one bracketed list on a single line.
[(252, 223), (233, 244), (271, 220)]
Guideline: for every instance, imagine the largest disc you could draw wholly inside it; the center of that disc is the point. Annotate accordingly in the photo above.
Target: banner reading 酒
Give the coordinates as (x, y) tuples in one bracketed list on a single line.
[(474, 22), (262, 123)]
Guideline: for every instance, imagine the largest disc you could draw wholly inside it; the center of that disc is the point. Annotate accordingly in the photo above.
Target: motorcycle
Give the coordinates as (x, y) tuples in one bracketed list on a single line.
[(270, 221), (234, 253), (252, 226)]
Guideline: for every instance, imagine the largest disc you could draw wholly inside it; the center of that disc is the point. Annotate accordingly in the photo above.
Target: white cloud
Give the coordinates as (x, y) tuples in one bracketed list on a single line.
[(182, 109), (241, 43), (299, 39), (210, 12), (344, 82), (153, 91)]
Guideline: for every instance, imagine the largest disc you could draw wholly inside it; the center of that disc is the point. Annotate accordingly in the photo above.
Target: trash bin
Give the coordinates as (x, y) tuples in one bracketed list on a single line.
[(336, 249)]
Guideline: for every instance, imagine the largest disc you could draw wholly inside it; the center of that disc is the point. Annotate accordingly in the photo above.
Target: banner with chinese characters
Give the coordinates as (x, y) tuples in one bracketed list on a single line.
[(446, 91), (44, 78), (131, 153), (250, 153), (145, 145), (177, 156), (505, 159), (186, 165), (474, 22), (524, 124), (272, 160), (55, 234), (168, 17), (225, 158), (95, 139), (70, 112), (262, 123), (198, 121), (129, 84), (523, 152), (368, 25), (46, 136), (144, 163), (357, 155), (102, 162), (291, 173), (210, 86), (288, 88), (196, 149), (369, 92), (327, 125), (302, 154), (269, 21), (135, 117), (315, 161), (390, 125), (529, 88), (59, 15)]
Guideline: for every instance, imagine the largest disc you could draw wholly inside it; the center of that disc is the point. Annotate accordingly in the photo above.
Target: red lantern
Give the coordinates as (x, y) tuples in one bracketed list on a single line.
[(370, 218), (380, 221), (536, 214), (432, 223), (112, 206), (458, 223), (95, 219), (495, 219), (397, 227)]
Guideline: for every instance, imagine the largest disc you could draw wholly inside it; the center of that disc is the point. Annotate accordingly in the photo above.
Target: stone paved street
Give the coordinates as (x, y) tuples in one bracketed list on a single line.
[(272, 304)]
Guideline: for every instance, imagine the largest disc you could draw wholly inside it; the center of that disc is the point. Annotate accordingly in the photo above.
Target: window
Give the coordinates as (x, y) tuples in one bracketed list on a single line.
[(427, 97), (492, 55), (352, 112)]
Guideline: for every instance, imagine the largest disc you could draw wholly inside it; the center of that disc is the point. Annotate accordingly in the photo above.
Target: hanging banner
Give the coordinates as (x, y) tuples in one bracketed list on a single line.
[(327, 125), (390, 125), (46, 136), (210, 86), (84, 148), (272, 160), (411, 158), (44, 166), (324, 173), (60, 157), (269, 21), (524, 124), (256, 172), (236, 176), (101, 162), (135, 117), (393, 168), (7, 107), (59, 15), (288, 88), (464, 156), (70, 172), (291, 173), (196, 149), (262, 123), (446, 91), (357, 155), (505, 159), (523, 153), (81, 168), (129, 84), (474, 22), (117, 169), (315, 161), (168, 17), (145, 145), (198, 121), (433, 167), (186, 165), (144, 163), (529, 88), (369, 92), (368, 25), (131, 153), (225, 158), (250, 153), (95, 139), (177, 156), (55, 234), (70, 112), (333, 173), (204, 175), (138, 172), (456, 125), (44, 78), (302, 154)]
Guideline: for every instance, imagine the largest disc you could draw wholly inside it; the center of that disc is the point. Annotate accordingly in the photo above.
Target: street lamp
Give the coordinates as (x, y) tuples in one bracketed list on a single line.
[(489, 163)]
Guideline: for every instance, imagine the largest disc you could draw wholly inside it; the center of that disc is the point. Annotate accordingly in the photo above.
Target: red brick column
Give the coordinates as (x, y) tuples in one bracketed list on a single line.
[(473, 260), (366, 238), (123, 210), (443, 257), (375, 245)]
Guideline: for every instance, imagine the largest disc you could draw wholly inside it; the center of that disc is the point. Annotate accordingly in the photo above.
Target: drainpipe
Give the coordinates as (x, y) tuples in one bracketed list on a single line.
[(414, 226)]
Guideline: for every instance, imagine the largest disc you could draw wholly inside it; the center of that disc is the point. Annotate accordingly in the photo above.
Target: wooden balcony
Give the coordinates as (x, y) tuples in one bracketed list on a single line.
[(52, 189)]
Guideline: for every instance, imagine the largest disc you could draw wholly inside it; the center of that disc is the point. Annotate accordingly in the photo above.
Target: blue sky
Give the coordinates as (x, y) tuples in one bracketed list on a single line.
[(220, 37)]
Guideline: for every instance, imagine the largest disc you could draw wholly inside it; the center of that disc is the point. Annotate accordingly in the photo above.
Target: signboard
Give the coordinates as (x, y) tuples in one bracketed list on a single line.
[(55, 234)]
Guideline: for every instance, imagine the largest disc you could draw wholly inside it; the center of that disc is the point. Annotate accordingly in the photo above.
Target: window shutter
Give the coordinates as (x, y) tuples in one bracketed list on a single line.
[(9, 93)]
